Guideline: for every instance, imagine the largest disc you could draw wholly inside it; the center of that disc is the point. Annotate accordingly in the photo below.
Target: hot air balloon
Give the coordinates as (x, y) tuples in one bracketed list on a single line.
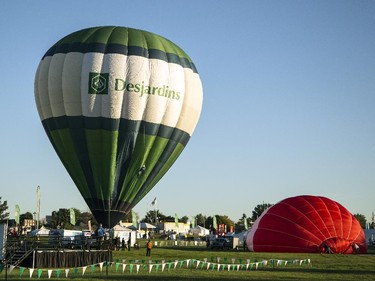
[(118, 105), (307, 224)]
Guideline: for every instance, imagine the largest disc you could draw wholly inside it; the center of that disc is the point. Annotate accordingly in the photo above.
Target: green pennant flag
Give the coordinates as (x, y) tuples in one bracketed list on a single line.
[(1, 267), (192, 222), (131, 267), (117, 266), (92, 268), (169, 265), (17, 214), (181, 262), (157, 267), (22, 269), (40, 273), (76, 270), (58, 272), (72, 216)]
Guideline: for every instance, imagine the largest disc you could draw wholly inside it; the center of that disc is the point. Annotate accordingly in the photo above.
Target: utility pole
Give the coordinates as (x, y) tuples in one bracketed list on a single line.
[(37, 206)]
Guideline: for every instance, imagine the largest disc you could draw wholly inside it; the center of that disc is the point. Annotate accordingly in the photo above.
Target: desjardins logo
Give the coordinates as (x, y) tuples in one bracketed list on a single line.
[(98, 84)]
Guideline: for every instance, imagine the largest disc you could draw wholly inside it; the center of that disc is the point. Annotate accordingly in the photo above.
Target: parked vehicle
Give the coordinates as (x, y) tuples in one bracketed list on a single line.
[(221, 243)]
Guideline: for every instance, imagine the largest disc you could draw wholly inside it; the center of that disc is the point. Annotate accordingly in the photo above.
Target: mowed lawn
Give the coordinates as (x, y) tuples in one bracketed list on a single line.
[(199, 263)]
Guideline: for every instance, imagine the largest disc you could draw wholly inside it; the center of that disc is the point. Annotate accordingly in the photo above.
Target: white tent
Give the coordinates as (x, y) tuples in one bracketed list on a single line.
[(147, 226), (201, 231), (41, 231)]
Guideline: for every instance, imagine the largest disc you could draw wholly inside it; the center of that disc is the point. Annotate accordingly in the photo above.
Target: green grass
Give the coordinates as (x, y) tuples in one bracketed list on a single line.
[(322, 267)]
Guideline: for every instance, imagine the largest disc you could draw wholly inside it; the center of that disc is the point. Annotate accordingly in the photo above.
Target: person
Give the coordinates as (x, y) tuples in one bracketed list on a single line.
[(149, 247), (129, 242), (100, 236), (355, 248), (123, 245)]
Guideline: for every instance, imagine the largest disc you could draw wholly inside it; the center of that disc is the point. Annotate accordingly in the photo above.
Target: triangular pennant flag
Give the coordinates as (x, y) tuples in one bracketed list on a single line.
[(92, 268), (22, 269), (76, 270), (58, 272), (31, 270), (256, 265), (181, 263), (84, 270), (175, 264), (66, 272), (137, 266), (238, 267), (203, 263), (40, 273), (187, 262), (162, 267), (264, 263), (169, 266), (117, 266), (11, 267), (218, 266), (300, 262), (150, 268), (157, 267), (101, 266), (233, 260), (131, 267), (123, 267), (198, 262), (229, 267), (49, 273), (247, 266), (208, 265)]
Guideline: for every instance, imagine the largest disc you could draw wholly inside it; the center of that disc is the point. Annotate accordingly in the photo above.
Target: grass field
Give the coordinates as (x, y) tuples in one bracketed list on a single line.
[(198, 263)]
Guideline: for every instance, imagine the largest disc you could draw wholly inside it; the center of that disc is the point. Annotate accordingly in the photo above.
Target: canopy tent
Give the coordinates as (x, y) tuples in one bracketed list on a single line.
[(40, 231), (146, 225), (201, 231)]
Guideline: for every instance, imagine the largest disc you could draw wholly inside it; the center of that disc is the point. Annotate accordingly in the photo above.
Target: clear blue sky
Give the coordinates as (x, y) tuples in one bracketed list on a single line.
[(289, 102)]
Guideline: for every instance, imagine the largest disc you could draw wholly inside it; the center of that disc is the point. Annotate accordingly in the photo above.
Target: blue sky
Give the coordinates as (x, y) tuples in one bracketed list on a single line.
[(289, 102)]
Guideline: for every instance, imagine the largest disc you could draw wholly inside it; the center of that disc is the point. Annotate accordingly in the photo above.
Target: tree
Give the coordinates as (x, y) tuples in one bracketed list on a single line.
[(184, 219), (361, 219), (154, 216), (200, 220), (3, 210), (61, 219), (259, 209)]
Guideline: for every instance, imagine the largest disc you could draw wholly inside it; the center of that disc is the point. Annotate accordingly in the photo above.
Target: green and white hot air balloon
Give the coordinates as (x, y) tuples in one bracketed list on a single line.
[(118, 105)]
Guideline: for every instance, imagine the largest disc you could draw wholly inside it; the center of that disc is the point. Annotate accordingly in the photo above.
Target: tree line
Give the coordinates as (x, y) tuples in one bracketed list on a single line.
[(61, 218)]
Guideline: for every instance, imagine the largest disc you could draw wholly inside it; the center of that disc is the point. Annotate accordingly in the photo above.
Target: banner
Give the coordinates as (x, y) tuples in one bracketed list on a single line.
[(176, 220), (72, 216), (17, 214), (153, 266)]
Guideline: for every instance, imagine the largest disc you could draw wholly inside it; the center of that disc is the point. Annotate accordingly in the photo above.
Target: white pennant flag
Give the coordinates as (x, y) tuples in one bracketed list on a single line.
[(256, 265), (175, 263), (300, 262), (208, 265), (123, 267), (162, 267), (138, 267), (66, 272), (229, 267), (101, 266), (233, 260), (218, 266), (49, 273), (238, 267), (31, 270), (11, 267), (198, 262), (150, 269), (187, 262), (84, 269), (264, 263), (247, 266)]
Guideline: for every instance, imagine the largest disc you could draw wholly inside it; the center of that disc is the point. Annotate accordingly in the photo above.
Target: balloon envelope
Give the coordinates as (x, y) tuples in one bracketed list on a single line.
[(305, 224), (118, 105)]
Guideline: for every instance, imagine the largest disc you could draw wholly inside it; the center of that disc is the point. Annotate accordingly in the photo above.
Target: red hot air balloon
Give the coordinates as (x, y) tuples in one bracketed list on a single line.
[(307, 224)]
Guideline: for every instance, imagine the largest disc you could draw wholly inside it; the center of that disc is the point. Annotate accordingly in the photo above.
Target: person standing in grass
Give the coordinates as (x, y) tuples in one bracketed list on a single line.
[(149, 247)]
